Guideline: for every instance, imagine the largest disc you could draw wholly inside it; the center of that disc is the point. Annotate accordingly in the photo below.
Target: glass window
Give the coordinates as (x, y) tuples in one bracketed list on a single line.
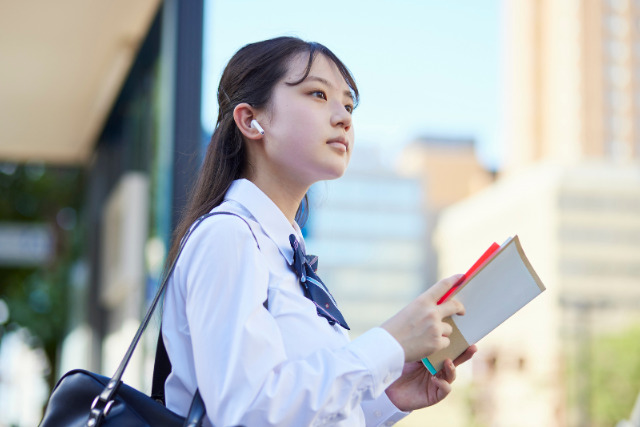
[(381, 254), (618, 5), (617, 51), (367, 223), (618, 75), (617, 25)]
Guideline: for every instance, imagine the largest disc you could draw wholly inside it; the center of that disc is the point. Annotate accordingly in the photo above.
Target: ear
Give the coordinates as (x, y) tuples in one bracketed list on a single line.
[(242, 115)]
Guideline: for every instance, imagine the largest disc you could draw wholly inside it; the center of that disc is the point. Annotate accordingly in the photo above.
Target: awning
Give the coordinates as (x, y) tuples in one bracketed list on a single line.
[(62, 64)]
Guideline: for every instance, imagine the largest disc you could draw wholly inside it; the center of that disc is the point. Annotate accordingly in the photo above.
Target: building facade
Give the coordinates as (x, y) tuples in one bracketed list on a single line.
[(572, 80), (571, 191), (369, 228)]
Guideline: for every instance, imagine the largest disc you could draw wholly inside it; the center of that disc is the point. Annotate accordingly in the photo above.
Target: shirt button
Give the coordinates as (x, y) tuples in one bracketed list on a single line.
[(377, 414), (387, 379)]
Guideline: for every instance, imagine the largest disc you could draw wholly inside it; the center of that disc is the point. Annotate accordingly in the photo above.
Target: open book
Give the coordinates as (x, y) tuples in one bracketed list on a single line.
[(499, 284)]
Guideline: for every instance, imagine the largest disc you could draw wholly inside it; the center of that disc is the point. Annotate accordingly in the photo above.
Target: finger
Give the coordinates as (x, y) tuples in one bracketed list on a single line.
[(446, 329), (451, 307), (466, 355), (448, 371), (438, 290), (441, 343), (444, 388)]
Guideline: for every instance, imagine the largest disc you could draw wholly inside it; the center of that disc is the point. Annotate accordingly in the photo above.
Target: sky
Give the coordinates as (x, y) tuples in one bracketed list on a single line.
[(423, 67)]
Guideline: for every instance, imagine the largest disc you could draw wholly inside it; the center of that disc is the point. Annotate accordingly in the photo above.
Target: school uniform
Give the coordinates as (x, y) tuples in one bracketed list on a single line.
[(273, 364)]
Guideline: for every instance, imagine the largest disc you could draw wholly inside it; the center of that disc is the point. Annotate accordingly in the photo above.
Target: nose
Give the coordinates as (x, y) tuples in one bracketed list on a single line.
[(340, 116)]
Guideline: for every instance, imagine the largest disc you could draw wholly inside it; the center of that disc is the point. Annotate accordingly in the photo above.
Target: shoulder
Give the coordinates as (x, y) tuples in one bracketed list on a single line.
[(222, 229), (219, 245)]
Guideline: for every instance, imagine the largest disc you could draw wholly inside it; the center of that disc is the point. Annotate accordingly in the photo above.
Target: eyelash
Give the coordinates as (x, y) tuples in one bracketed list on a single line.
[(315, 92), (348, 107)]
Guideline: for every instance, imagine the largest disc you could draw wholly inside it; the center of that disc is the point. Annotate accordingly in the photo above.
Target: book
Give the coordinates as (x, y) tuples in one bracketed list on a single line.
[(499, 283)]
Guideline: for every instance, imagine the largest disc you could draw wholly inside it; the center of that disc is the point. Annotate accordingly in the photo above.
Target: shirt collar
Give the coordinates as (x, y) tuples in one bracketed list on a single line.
[(273, 222)]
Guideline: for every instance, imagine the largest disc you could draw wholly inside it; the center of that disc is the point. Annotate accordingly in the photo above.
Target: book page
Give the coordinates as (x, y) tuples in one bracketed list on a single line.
[(496, 292)]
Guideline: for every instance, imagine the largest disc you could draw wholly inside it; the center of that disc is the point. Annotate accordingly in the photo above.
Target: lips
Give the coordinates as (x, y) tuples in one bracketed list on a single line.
[(339, 143)]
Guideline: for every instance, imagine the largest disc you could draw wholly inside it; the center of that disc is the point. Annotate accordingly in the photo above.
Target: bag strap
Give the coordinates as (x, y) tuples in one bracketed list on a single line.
[(161, 370), (102, 403), (162, 365)]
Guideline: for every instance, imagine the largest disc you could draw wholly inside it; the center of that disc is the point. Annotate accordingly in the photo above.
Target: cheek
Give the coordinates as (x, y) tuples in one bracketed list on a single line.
[(301, 130)]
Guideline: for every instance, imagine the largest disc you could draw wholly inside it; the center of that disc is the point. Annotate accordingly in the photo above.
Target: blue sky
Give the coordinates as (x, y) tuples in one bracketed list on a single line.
[(423, 67)]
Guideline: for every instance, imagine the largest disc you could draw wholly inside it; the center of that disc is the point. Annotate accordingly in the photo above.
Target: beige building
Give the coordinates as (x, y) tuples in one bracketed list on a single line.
[(448, 170), (572, 80), (571, 191), (580, 227), (373, 228)]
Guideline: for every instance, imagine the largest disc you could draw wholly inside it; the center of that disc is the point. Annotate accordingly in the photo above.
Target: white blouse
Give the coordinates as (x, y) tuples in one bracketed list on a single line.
[(285, 366)]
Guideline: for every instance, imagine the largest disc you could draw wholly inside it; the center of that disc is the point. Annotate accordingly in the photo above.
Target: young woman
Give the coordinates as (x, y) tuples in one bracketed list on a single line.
[(246, 320)]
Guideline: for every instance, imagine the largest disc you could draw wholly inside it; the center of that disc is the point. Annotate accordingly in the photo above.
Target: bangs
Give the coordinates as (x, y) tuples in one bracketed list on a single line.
[(314, 50)]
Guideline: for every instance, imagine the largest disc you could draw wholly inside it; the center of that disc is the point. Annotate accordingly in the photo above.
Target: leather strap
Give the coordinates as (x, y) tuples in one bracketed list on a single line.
[(161, 370), (197, 411)]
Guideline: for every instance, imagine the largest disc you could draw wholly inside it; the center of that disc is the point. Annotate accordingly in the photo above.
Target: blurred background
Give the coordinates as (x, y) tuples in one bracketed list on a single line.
[(478, 120)]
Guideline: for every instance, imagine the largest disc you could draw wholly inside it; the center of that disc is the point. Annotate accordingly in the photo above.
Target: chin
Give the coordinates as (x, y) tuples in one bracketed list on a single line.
[(337, 173), (330, 171)]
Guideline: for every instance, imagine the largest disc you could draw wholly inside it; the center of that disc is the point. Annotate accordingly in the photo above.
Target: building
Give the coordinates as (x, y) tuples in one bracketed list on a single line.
[(449, 171), (113, 88), (374, 230), (369, 229), (571, 191), (572, 80)]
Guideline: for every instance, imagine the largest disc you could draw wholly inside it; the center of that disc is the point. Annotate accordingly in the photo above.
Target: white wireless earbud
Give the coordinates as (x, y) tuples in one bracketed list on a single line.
[(255, 124)]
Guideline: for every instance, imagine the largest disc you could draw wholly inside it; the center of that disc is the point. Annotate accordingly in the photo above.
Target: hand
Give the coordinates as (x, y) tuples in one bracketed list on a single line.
[(417, 388), (419, 328)]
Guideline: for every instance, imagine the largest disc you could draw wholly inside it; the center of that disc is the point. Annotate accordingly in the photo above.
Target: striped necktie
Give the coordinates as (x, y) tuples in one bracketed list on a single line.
[(305, 267)]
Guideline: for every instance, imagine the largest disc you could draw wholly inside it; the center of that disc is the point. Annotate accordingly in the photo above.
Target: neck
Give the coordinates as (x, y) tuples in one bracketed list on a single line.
[(285, 195)]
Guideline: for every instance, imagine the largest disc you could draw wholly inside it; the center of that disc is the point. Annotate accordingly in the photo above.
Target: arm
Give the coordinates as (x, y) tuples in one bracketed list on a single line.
[(251, 381)]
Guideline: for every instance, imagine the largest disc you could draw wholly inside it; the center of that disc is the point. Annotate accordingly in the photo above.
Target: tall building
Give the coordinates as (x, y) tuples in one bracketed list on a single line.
[(368, 229), (448, 170), (373, 231), (571, 191), (572, 80)]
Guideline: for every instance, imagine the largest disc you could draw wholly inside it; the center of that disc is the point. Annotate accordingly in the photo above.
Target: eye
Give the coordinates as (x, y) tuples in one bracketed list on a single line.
[(349, 108), (319, 94)]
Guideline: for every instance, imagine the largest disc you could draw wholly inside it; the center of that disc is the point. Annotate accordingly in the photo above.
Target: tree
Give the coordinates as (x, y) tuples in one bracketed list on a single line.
[(37, 296), (615, 371)]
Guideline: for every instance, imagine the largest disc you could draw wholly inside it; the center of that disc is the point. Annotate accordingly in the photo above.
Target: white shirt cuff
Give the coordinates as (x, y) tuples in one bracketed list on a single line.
[(381, 412), (382, 355)]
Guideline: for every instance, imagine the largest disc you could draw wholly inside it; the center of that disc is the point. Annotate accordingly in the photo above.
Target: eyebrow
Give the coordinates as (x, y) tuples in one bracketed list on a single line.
[(346, 93)]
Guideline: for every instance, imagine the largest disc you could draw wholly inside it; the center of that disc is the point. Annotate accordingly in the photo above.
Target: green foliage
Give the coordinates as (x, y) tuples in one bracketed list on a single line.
[(37, 296), (615, 371)]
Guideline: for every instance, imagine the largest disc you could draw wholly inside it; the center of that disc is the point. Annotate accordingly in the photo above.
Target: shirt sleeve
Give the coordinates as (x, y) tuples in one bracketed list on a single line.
[(381, 412), (241, 367)]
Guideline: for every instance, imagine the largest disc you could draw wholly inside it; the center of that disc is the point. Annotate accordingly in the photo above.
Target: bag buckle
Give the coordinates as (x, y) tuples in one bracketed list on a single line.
[(98, 412)]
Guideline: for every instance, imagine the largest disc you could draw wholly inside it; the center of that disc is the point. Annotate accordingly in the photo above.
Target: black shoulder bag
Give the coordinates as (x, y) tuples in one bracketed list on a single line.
[(85, 399)]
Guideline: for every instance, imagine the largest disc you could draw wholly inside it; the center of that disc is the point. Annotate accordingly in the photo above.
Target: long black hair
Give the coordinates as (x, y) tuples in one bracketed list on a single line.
[(250, 77)]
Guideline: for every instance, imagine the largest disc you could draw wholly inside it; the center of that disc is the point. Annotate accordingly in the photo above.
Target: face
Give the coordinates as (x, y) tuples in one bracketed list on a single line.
[(308, 126)]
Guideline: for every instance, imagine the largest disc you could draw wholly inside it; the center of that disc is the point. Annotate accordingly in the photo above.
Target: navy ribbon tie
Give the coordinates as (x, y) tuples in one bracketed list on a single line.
[(305, 267)]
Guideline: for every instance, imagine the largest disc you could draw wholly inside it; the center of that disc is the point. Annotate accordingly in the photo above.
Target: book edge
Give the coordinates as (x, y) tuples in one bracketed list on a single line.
[(528, 265)]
